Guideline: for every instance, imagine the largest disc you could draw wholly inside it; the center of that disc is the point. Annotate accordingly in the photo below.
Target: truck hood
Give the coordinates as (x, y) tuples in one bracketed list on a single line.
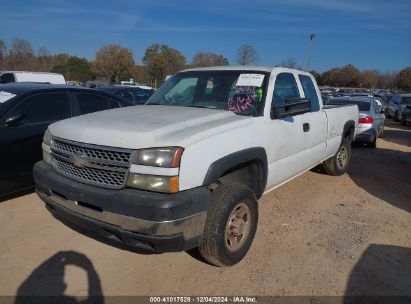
[(148, 126)]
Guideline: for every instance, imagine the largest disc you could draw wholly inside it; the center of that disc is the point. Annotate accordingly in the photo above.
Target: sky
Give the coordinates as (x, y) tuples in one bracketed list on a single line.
[(370, 34)]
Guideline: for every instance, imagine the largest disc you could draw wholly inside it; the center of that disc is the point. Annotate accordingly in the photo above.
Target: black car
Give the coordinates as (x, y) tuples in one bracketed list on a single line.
[(26, 110), (135, 94)]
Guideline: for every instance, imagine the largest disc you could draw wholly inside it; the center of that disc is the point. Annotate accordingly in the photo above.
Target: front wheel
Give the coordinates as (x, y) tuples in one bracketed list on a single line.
[(338, 164), (230, 226)]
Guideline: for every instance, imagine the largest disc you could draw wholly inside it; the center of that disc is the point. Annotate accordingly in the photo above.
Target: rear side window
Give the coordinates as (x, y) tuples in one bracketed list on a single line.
[(141, 96), (45, 108), (89, 103), (127, 95), (406, 100), (310, 92), (7, 78), (285, 88)]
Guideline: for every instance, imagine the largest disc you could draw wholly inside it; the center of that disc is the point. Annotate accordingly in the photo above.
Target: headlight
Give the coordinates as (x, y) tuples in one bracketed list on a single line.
[(168, 184), (47, 140), (168, 157)]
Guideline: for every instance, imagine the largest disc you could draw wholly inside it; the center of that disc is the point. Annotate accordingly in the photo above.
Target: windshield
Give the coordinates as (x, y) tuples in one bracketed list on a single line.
[(236, 91), (406, 100), (5, 100)]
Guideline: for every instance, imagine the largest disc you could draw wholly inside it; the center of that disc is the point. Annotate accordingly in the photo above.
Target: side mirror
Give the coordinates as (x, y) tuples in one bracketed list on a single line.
[(13, 119), (291, 107)]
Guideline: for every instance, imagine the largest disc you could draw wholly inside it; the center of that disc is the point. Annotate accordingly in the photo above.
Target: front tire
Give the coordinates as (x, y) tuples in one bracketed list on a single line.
[(338, 164), (230, 226)]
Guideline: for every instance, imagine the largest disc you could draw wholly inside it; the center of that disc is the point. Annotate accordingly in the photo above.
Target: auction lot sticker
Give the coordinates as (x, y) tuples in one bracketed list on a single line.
[(250, 80)]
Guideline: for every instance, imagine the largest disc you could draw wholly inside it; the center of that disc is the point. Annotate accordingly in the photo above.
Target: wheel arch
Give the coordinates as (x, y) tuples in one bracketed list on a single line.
[(230, 163), (348, 130)]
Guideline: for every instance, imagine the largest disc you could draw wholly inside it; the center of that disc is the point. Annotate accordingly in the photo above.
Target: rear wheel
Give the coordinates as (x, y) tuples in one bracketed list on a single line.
[(230, 226), (372, 144), (381, 132), (338, 164)]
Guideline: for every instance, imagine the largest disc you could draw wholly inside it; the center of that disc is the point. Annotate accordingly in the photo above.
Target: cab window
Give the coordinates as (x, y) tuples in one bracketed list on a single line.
[(285, 88), (310, 92)]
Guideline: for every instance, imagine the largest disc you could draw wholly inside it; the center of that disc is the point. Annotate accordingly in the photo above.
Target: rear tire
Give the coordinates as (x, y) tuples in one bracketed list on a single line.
[(230, 226), (381, 135), (338, 164), (372, 144)]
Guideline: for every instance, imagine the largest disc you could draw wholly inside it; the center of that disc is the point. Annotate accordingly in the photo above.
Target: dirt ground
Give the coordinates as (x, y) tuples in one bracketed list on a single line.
[(317, 235)]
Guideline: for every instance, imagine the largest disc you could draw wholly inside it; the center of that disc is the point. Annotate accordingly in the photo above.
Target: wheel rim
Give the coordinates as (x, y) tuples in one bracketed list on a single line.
[(342, 157), (237, 227)]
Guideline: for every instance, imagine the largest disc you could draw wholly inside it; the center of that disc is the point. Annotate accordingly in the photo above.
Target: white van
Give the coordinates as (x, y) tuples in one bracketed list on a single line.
[(22, 76)]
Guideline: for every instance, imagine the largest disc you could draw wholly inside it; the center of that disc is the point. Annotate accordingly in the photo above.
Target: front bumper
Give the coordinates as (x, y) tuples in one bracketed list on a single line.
[(146, 220)]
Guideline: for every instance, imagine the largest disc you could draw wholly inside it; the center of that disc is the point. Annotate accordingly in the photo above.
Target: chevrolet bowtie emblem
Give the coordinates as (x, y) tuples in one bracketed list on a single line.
[(79, 160)]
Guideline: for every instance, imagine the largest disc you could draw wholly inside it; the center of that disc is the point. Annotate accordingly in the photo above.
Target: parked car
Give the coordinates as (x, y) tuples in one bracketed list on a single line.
[(371, 118), (135, 94), (25, 112), (185, 170), (23, 76), (397, 105), (406, 115)]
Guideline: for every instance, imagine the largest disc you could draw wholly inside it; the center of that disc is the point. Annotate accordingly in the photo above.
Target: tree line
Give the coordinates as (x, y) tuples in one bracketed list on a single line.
[(114, 63)]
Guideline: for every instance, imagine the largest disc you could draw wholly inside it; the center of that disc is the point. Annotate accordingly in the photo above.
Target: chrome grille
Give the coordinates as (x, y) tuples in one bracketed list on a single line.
[(91, 164), (95, 153)]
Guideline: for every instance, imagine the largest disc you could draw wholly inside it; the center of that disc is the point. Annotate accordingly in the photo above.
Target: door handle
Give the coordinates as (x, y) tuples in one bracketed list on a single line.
[(306, 127)]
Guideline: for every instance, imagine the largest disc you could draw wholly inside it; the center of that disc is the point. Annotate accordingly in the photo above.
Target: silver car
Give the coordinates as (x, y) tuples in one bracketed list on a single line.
[(397, 105), (371, 120)]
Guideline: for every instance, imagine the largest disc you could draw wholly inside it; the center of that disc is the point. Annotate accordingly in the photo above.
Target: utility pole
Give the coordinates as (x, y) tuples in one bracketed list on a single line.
[(310, 48)]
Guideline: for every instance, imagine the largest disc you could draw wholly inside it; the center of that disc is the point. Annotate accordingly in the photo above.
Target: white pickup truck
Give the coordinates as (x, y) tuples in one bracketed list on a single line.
[(186, 169)]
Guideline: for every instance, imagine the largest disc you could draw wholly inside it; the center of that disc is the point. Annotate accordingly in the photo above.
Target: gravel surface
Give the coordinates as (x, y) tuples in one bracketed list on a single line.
[(317, 235)]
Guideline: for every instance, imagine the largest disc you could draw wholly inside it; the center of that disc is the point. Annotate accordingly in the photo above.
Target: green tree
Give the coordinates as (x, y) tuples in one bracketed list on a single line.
[(78, 69), (404, 80), (162, 60), (316, 76)]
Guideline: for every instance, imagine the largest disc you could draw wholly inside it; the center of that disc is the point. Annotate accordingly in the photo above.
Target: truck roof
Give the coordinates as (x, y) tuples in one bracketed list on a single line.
[(245, 68)]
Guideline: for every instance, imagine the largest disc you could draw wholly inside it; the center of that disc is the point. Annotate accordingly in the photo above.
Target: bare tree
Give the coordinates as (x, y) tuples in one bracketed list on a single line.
[(247, 55), (46, 61), (208, 59), (20, 54), (3, 49), (289, 63)]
